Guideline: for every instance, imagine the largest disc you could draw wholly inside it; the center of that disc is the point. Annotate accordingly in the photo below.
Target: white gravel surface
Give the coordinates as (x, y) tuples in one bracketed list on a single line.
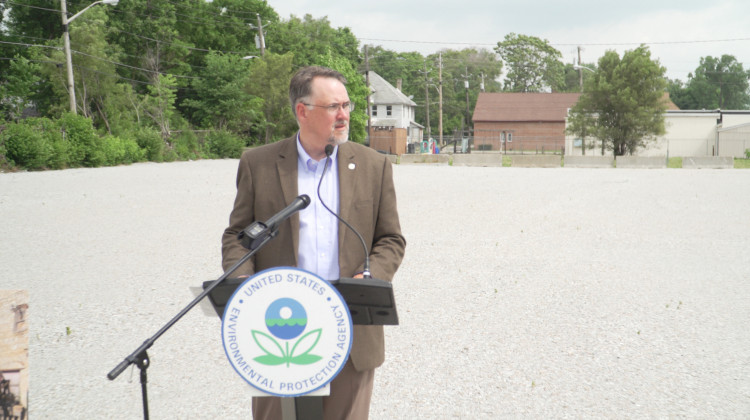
[(524, 293)]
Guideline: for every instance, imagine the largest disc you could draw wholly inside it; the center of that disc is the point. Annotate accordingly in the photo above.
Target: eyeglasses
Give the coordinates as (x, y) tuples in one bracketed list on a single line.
[(334, 108)]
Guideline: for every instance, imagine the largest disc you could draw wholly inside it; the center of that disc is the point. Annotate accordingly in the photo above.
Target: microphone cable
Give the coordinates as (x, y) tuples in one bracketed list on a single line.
[(366, 271)]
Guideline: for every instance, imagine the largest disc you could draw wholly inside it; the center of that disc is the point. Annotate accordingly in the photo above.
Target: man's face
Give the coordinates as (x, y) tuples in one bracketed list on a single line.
[(319, 123)]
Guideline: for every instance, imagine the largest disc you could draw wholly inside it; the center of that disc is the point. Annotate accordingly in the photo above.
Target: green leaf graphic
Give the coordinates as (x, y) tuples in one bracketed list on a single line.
[(270, 360), (305, 359), (269, 341), (307, 342)]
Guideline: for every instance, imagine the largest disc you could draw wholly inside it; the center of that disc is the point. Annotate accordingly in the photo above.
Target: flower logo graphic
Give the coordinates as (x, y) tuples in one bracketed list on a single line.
[(286, 319)]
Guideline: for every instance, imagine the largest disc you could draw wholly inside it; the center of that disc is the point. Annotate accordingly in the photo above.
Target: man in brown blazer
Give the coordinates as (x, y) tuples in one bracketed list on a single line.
[(361, 181)]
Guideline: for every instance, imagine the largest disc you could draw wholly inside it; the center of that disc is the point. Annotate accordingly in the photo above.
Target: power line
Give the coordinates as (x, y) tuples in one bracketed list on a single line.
[(133, 67), (30, 45), (33, 7)]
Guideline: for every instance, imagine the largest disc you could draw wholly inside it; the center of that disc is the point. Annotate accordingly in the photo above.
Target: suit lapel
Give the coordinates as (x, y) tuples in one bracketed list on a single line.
[(286, 165), (347, 185)]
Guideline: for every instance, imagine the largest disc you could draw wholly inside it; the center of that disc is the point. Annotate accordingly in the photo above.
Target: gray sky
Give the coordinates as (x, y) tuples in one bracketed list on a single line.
[(678, 33)]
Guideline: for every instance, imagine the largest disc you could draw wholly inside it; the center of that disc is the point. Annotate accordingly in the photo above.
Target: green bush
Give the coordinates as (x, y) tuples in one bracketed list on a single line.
[(151, 142), (186, 145), (747, 153), (119, 151), (25, 145), (223, 144), (60, 158), (86, 147)]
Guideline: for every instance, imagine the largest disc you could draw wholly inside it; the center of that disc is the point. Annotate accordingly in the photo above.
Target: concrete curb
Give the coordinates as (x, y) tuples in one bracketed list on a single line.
[(417, 159), (494, 159), (708, 162), (641, 162), (535, 161), (589, 161)]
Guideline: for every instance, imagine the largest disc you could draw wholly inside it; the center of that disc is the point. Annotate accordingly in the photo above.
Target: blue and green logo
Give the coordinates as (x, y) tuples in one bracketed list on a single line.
[(286, 319)]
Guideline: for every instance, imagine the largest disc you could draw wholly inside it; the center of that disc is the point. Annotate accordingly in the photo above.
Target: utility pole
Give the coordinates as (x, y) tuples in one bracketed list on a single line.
[(580, 70), (440, 95), (68, 59), (261, 37), (427, 99), (466, 86), (66, 41), (367, 83)]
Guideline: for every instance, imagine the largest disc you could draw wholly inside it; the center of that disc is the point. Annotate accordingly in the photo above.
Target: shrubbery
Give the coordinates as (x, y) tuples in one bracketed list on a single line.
[(151, 142), (223, 144), (71, 141), (86, 147), (186, 145)]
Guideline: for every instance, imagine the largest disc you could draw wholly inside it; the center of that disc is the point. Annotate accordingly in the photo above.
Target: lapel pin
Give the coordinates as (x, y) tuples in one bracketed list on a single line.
[(352, 166)]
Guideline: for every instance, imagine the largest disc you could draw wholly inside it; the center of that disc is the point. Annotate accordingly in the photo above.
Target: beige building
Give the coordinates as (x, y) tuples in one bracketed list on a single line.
[(690, 133), (14, 353)]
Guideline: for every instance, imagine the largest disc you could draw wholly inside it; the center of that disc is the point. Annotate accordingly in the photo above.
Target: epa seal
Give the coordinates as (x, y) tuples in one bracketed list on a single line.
[(286, 331)]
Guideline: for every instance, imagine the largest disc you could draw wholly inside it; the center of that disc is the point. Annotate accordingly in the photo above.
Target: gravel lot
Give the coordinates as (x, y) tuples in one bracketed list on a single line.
[(525, 293)]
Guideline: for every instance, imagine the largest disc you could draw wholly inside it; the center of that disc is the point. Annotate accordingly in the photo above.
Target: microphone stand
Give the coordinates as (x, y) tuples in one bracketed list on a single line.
[(139, 357)]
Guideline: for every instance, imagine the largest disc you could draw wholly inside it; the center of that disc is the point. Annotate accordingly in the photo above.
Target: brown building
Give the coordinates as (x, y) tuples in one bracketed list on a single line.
[(521, 122), (14, 353)]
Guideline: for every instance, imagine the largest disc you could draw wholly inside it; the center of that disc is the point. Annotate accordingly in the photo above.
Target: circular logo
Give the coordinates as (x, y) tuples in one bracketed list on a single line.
[(286, 331)]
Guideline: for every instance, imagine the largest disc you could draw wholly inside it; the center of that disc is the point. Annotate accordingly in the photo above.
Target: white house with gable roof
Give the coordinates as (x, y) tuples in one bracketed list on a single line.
[(392, 124)]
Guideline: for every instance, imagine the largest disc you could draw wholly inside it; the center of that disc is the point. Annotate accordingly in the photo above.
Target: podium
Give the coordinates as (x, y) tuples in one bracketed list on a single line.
[(370, 302)]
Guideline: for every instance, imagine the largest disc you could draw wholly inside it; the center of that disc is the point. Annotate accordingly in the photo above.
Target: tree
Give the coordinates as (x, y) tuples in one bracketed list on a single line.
[(269, 80), (94, 70), (159, 103), (20, 86), (717, 83), (572, 77), (533, 64), (626, 96), (220, 98), (357, 90), (309, 38), (461, 67)]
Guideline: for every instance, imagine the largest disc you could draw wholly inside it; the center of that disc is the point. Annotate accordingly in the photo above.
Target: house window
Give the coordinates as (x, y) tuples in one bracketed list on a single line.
[(20, 318), (389, 110), (510, 137), (374, 111)]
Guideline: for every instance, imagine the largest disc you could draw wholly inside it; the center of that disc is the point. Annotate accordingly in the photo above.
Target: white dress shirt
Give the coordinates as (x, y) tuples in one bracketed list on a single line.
[(318, 229)]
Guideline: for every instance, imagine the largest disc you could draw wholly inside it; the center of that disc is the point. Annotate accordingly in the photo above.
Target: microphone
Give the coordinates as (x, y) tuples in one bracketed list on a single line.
[(366, 271), (253, 234)]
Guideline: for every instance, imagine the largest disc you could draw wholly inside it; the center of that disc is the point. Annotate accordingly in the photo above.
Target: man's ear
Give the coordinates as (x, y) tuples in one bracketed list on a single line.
[(301, 110)]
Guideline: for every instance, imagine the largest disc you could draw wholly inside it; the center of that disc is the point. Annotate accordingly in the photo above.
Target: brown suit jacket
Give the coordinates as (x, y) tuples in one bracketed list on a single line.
[(267, 182)]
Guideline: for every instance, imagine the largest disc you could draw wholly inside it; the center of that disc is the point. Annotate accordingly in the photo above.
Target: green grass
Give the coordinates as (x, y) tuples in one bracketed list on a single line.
[(674, 162), (741, 163), (506, 161)]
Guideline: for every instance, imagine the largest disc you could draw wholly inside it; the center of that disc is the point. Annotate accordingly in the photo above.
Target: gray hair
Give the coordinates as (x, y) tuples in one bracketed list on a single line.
[(300, 85)]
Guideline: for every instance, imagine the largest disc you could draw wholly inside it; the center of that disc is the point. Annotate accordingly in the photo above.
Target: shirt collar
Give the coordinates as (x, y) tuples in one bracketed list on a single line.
[(306, 161)]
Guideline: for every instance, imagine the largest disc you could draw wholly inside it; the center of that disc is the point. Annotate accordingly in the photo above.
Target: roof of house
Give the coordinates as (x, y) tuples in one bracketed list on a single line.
[(516, 106), (523, 106), (385, 94)]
